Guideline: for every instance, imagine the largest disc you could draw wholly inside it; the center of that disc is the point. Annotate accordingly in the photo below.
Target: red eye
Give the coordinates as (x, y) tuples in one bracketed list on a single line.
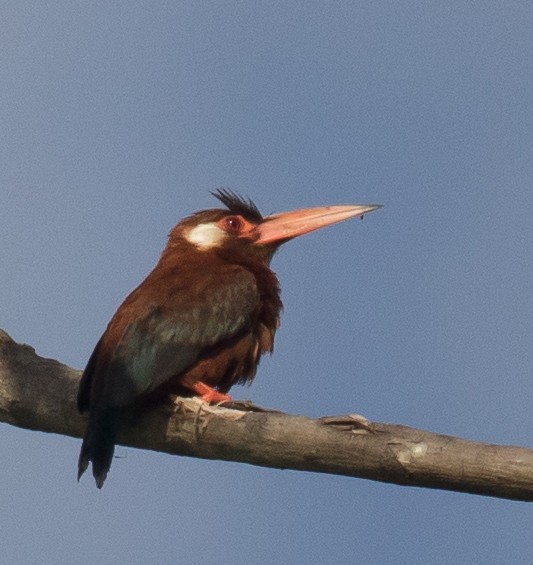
[(233, 224)]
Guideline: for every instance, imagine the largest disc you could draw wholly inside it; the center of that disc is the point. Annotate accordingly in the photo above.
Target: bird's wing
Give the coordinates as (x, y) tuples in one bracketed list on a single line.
[(136, 357)]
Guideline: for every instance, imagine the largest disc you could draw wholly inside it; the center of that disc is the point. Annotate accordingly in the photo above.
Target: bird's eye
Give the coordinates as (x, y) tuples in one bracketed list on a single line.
[(233, 224)]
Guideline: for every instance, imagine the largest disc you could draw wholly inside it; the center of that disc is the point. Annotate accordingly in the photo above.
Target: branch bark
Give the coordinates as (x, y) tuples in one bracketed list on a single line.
[(38, 394)]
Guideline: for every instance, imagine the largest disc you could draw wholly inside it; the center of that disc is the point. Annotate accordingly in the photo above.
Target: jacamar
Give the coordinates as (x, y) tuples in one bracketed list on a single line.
[(199, 322)]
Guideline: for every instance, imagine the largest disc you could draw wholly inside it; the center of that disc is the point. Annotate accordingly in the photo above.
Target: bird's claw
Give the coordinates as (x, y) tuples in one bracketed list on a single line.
[(207, 393), (214, 397)]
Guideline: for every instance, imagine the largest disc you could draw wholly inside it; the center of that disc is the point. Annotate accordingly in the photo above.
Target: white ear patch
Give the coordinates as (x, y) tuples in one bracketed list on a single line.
[(206, 236)]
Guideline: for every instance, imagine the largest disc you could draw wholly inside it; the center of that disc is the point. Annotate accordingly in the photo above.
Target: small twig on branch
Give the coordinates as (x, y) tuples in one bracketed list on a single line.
[(38, 394)]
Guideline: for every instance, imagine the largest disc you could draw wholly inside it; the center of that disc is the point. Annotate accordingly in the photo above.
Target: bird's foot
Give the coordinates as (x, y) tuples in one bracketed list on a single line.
[(215, 397), (208, 394)]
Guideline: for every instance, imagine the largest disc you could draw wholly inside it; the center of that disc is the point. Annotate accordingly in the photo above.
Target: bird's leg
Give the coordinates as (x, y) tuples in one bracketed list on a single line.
[(207, 393)]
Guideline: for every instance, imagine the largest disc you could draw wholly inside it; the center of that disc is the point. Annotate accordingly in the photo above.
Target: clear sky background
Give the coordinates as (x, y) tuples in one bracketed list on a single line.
[(118, 118)]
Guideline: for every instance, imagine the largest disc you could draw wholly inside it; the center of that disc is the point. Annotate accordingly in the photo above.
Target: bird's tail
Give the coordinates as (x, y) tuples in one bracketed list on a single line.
[(99, 443)]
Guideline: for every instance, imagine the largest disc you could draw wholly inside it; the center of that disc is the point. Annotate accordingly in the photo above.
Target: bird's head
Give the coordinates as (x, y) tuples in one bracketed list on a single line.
[(241, 230)]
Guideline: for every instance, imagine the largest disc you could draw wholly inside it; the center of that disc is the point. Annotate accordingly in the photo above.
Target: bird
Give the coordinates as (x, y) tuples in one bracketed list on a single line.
[(198, 323)]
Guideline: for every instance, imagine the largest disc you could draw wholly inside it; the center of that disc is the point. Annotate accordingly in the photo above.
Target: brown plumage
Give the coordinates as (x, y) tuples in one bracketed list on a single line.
[(198, 323)]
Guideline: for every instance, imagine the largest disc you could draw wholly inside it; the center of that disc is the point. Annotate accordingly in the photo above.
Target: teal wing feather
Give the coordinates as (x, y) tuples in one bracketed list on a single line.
[(167, 338)]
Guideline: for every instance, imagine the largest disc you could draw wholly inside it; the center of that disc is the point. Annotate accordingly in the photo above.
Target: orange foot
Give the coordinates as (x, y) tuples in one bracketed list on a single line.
[(208, 394)]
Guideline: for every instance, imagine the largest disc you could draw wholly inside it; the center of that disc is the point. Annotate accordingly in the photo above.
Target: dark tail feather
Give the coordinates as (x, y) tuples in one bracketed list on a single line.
[(99, 443)]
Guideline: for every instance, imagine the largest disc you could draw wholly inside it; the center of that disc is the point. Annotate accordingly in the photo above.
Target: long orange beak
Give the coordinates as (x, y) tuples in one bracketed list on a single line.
[(286, 225)]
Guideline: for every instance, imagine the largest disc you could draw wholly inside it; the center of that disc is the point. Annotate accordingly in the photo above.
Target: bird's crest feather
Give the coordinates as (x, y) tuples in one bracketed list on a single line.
[(238, 204)]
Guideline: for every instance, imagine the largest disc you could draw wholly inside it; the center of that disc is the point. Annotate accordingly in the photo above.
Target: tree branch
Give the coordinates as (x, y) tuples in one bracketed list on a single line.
[(38, 394)]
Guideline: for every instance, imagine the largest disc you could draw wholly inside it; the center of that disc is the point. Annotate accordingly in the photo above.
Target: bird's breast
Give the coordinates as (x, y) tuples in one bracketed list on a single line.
[(231, 362)]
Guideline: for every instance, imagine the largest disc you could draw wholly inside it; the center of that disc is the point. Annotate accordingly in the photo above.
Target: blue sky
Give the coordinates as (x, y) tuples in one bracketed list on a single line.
[(117, 120)]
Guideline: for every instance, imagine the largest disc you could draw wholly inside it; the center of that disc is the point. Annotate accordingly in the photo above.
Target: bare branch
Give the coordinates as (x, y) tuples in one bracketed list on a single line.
[(38, 394)]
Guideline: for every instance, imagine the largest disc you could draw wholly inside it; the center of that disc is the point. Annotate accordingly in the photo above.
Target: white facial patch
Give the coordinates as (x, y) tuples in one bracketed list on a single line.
[(206, 236)]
